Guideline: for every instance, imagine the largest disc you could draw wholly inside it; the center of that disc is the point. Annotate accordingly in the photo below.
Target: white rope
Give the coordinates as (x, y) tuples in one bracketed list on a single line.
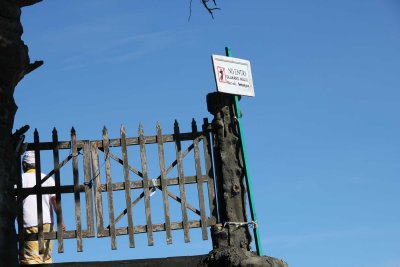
[(152, 191), (252, 224)]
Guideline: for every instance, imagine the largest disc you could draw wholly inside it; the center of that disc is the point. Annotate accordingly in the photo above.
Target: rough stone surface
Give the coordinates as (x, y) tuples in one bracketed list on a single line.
[(231, 190), (231, 238), (236, 257), (14, 64)]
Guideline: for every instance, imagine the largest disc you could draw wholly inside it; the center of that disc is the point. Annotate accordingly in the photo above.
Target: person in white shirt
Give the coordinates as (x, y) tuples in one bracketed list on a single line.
[(29, 251)]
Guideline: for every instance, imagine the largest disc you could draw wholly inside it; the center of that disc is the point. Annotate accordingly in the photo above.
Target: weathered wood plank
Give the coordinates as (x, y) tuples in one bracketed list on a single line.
[(88, 187), (109, 189), (127, 187), (149, 140), (39, 192), (212, 202), (143, 159), (51, 190), (200, 191), (115, 186), (181, 180), (56, 159), (112, 142), (71, 234), (77, 197), (164, 185), (49, 145), (97, 189), (160, 227), (152, 183)]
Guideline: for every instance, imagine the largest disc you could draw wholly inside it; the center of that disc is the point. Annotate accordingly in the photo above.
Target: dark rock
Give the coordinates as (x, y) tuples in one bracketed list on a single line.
[(235, 257)]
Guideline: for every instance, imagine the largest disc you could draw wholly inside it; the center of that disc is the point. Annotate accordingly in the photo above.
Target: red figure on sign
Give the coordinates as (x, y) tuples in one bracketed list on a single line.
[(221, 74)]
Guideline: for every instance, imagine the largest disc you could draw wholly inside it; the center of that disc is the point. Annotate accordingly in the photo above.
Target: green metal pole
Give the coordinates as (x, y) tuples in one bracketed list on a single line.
[(246, 171)]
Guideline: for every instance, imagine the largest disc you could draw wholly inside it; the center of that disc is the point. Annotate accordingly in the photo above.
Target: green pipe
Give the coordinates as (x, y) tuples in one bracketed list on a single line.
[(246, 171)]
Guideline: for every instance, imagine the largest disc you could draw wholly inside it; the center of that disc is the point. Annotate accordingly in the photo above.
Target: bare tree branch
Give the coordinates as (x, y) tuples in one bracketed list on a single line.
[(33, 66), (206, 6), (210, 9), (190, 10)]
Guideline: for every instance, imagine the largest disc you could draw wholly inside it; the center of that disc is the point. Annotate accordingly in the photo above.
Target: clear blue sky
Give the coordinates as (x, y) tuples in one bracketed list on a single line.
[(322, 133)]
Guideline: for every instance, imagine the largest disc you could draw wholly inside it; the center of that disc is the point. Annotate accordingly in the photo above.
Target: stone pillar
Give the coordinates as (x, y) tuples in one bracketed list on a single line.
[(231, 190), (231, 237), (14, 65)]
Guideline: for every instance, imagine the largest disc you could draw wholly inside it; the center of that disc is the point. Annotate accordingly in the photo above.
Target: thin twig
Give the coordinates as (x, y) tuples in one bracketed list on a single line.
[(209, 9), (190, 10), (205, 4)]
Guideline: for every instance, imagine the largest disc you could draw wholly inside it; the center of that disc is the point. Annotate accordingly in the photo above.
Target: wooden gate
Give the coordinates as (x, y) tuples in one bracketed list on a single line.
[(104, 160)]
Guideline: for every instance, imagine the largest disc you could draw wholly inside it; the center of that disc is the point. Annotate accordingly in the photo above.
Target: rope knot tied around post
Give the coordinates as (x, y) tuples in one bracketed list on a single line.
[(252, 224)]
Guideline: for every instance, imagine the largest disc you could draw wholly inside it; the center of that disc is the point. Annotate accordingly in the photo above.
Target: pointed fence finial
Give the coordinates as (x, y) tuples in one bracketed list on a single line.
[(122, 129), (36, 136), (194, 125), (141, 130), (55, 135), (176, 125)]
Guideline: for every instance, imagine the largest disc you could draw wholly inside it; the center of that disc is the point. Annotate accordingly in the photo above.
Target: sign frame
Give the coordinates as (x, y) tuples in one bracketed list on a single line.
[(233, 75)]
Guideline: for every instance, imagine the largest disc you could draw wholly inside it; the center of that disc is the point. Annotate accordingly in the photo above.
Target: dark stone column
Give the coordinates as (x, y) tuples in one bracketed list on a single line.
[(14, 65), (231, 190), (231, 237)]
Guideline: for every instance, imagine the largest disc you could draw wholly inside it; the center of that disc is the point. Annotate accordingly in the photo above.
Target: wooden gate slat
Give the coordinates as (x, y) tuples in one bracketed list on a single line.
[(181, 179), (143, 159), (97, 189), (199, 181), (164, 184), (109, 189), (158, 227), (77, 197), (209, 171), (39, 192), (127, 187), (88, 187), (56, 160)]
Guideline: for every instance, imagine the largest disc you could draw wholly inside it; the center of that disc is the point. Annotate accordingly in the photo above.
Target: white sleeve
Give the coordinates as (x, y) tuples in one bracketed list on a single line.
[(50, 182)]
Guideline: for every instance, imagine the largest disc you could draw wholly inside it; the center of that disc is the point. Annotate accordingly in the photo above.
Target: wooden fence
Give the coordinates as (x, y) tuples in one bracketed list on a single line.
[(98, 159)]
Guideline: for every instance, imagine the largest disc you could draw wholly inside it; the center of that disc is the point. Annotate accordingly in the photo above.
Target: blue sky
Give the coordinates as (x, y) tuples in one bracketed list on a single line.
[(322, 133)]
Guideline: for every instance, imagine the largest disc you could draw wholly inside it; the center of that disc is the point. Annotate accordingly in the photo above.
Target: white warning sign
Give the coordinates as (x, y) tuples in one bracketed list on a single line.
[(233, 75)]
